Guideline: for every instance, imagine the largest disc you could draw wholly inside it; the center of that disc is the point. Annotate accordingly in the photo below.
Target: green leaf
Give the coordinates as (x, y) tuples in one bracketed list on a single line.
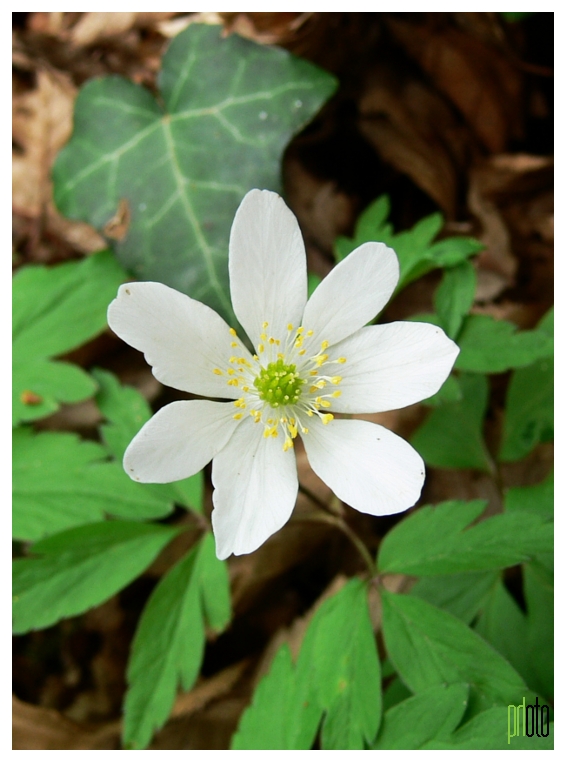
[(180, 165), (451, 436), (60, 482), (538, 499), (431, 647), (489, 730), (169, 643), (539, 599), (494, 346), (265, 724), (432, 541), (434, 713), (80, 568), (340, 656), (529, 407), (55, 310), (455, 296), (450, 391), (461, 595), (126, 411), (415, 248)]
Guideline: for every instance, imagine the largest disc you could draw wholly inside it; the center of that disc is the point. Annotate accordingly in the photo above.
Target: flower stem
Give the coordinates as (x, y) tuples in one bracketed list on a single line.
[(339, 523)]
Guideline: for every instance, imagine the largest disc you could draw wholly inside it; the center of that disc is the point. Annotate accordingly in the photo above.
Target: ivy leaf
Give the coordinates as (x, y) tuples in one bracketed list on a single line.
[(55, 310), (494, 346), (434, 713), (126, 411), (169, 643), (455, 296), (434, 540), (176, 168), (451, 436), (529, 407), (80, 568), (415, 248), (60, 482), (430, 647)]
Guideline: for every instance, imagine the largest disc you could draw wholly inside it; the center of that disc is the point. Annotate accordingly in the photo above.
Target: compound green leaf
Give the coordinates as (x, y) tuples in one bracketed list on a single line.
[(430, 647), (537, 499), (462, 595), (435, 540), (415, 248), (452, 435), (492, 730), (60, 481), (169, 643), (55, 310), (539, 599), (529, 407), (494, 346), (455, 296), (175, 170), (126, 411), (80, 568), (434, 713)]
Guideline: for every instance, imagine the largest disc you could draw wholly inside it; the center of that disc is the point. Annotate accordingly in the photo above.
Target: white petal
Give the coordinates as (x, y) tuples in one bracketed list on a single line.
[(268, 267), (179, 440), (365, 465), (182, 339), (391, 366), (255, 490), (352, 293)]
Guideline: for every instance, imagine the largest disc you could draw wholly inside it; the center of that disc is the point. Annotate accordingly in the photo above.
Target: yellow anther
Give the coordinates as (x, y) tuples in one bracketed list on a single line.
[(335, 379), (288, 444), (290, 327), (300, 329), (233, 382), (324, 345), (231, 371), (256, 357), (238, 416), (280, 355), (341, 360), (274, 432), (234, 344), (240, 403), (217, 372), (337, 393), (233, 359), (233, 332), (302, 351), (245, 388), (271, 340), (305, 431), (264, 325), (325, 403), (263, 336), (327, 417), (293, 431), (261, 348), (310, 332), (310, 413), (313, 373)]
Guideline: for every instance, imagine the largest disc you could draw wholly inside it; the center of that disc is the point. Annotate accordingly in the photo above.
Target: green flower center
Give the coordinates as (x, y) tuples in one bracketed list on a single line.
[(279, 384)]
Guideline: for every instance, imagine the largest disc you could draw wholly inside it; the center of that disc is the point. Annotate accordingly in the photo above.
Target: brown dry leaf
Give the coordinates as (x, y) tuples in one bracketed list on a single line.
[(479, 80), (414, 130)]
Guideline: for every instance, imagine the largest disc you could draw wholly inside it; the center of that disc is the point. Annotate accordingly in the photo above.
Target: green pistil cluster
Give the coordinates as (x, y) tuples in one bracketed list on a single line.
[(279, 384)]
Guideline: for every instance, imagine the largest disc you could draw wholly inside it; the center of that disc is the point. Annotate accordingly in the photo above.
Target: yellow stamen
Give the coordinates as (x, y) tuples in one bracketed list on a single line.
[(327, 417), (217, 371), (233, 332)]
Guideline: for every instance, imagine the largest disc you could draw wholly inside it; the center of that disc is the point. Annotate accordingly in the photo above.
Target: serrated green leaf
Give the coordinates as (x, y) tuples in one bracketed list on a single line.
[(529, 406), (431, 647), (126, 410), (539, 599), (227, 109), (432, 541), (537, 499), (451, 436), (265, 724), (489, 730), (461, 595), (80, 568), (60, 482), (55, 310), (415, 248), (494, 346), (339, 659), (169, 642), (434, 713), (455, 296)]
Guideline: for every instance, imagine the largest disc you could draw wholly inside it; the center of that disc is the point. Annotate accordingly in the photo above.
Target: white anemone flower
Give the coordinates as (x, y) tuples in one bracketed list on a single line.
[(312, 359)]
